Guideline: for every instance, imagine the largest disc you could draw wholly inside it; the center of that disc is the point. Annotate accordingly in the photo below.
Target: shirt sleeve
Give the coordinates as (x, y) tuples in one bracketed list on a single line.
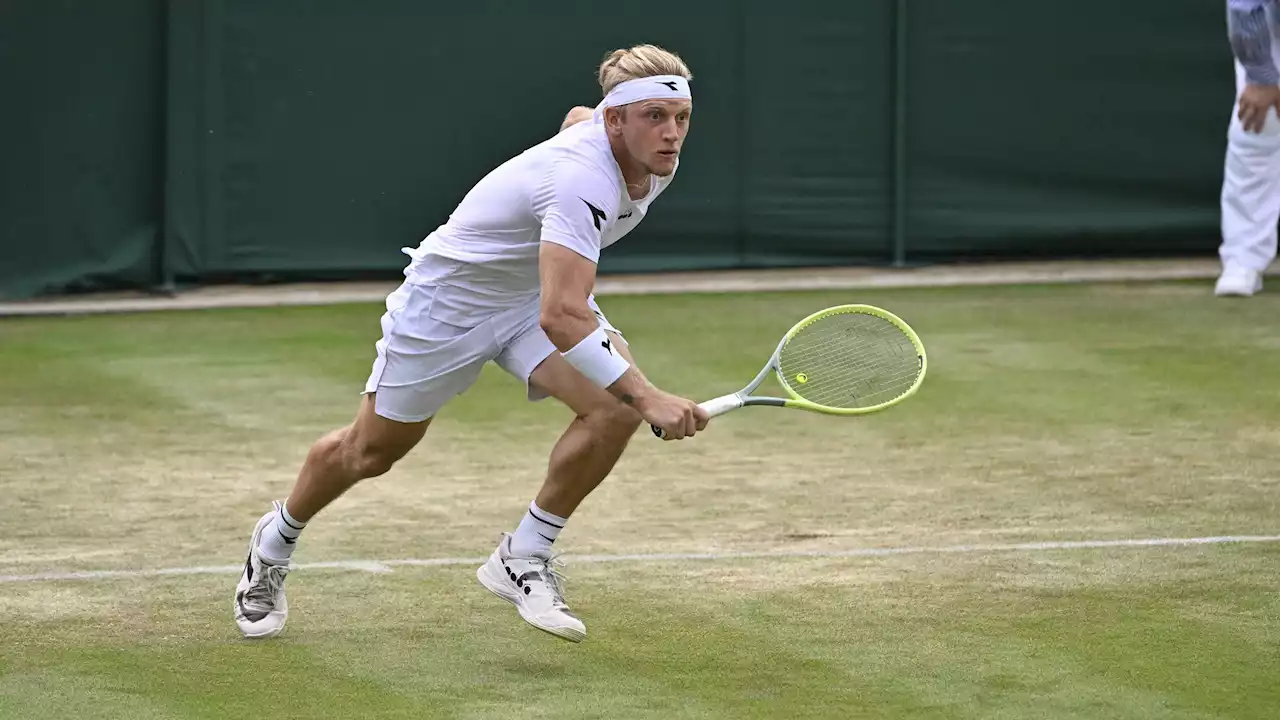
[(577, 205), (1250, 35)]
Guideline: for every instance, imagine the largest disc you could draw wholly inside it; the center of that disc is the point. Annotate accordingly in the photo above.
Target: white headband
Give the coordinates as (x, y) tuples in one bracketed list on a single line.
[(657, 87)]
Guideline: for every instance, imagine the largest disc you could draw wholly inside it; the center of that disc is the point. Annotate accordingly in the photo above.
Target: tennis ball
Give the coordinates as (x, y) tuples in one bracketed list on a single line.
[(802, 378)]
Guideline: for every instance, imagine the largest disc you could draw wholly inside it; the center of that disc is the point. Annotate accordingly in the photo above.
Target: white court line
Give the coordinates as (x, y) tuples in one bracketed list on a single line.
[(386, 566)]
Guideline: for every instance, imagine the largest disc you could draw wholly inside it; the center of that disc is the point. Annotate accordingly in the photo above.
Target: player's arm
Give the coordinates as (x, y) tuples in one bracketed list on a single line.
[(577, 204), (567, 280), (575, 207)]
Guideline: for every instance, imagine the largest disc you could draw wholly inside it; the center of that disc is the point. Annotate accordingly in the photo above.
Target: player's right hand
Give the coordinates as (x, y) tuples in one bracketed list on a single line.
[(676, 417)]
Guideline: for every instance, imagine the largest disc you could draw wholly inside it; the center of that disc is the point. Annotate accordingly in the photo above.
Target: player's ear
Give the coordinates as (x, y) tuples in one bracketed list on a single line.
[(613, 118)]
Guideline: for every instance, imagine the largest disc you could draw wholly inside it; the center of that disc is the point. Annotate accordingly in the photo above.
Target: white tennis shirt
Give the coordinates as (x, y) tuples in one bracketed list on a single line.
[(567, 190)]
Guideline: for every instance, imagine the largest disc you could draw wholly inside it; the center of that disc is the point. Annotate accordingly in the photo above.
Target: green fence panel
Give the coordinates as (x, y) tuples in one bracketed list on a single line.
[(81, 142), (202, 140), (818, 117), (1090, 127), (330, 136)]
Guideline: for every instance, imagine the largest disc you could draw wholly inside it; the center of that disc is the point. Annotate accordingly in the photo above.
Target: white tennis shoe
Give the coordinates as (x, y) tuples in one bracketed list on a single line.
[(1238, 282), (260, 606), (535, 586)]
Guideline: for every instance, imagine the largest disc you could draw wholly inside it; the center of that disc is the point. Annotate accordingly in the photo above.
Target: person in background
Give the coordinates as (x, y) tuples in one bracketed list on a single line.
[(1251, 173)]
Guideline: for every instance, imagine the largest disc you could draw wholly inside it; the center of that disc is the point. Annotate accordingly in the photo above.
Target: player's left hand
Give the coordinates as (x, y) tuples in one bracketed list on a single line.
[(577, 115), (1255, 102)]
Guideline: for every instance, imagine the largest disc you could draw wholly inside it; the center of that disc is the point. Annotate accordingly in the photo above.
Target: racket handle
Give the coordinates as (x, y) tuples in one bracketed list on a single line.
[(713, 407)]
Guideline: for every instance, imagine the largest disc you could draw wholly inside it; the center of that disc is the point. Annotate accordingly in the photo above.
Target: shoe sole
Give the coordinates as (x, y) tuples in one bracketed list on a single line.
[(262, 636), (266, 634), (499, 588), (1236, 291)]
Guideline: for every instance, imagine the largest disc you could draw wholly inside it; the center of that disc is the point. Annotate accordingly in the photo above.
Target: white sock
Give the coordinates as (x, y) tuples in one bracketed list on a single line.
[(538, 529), (278, 538)]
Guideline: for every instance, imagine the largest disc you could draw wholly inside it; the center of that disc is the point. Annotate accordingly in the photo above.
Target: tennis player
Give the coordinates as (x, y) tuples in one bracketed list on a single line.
[(509, 278)]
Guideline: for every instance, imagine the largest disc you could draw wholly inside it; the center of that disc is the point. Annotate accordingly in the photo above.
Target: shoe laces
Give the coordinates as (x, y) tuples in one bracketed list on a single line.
[(550, 571), (262, 594)]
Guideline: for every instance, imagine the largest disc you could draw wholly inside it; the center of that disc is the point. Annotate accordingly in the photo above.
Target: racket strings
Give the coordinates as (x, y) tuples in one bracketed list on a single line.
[(850, 360), (858, 383)]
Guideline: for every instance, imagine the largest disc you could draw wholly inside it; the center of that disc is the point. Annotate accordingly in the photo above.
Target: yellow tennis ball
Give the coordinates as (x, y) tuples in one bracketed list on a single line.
[(802, 378)]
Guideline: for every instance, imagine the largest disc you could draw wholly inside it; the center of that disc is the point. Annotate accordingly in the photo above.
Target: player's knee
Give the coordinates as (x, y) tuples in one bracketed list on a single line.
[(368, 460), (614, 419)]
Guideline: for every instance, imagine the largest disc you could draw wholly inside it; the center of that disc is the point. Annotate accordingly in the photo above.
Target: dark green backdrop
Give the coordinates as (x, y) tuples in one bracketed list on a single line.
[(201, 140)]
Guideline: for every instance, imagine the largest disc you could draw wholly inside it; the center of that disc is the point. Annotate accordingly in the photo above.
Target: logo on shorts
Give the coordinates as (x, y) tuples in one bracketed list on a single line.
[(596, 213)]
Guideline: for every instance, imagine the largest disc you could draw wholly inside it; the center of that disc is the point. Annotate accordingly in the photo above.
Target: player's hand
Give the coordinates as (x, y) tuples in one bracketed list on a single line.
[(676, 417), (577, 115), (1255, 102)]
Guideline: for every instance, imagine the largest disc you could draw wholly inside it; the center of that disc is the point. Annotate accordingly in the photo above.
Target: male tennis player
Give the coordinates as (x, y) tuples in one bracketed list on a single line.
[(509, 278), (1251, 173)]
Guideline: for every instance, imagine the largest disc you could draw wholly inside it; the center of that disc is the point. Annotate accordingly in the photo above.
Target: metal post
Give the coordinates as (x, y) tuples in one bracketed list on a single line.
[(900, 134), (162, 281)]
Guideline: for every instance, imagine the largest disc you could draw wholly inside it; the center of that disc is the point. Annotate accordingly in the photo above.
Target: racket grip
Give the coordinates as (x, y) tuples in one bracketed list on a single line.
[(713, 407)]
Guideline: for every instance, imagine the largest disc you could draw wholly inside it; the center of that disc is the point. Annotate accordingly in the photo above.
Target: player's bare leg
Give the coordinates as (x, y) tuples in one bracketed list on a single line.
[(593, 442), (522, 569), (364, 449)]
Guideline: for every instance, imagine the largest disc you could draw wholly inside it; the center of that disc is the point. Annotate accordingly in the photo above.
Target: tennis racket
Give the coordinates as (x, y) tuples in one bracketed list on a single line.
[(845, 360)]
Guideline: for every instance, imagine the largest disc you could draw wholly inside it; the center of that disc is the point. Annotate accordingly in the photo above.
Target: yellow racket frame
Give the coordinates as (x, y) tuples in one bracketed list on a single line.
[(744, 398), (794, 400)]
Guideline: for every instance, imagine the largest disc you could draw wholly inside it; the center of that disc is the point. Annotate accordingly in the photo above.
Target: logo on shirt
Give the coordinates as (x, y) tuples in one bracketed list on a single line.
[(628, 214), (597, 215), (669, 83)]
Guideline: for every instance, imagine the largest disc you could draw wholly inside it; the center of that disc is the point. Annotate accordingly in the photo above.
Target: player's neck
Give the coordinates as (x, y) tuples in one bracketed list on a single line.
[(634, 174)]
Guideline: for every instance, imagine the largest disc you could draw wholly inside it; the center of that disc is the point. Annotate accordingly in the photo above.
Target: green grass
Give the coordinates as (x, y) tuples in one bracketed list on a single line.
[(1050, 413)]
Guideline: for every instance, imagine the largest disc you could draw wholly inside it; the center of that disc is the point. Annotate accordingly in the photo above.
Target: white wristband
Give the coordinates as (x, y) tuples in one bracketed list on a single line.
[(598, 359)]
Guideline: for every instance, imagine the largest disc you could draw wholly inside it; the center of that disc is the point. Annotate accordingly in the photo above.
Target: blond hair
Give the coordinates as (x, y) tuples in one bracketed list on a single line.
[(639, 62)]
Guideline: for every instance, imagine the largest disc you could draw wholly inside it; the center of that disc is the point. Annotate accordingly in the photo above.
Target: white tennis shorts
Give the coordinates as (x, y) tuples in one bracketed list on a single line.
[(437, 337)]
